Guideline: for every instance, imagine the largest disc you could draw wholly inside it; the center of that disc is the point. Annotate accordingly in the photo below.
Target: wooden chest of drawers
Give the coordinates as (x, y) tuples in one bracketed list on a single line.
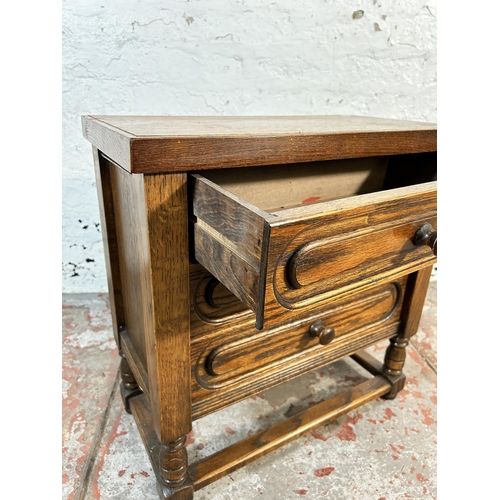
[(242, 252)]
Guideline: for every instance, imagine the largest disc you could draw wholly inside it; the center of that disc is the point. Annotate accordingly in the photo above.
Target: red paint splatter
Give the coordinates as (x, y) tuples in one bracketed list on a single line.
[(347, 433), (382, 498), (317, 435), (144, 473), (402, 395), (421, 478), (417, 431), (120, 473), (395, 457), (412, 380), (416, 357), (414, 458), (426, 412), (394, 449), (105, 452), (371, 420), (434, 399), (309, 453), (200, 446), (190, 438), (389, 413), (65, 478), (311, 199), (407, 495), (230, 431), (326, 471), (300, 492)]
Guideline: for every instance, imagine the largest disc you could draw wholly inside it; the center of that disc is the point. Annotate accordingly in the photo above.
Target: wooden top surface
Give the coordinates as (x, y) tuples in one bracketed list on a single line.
[(149, 144)]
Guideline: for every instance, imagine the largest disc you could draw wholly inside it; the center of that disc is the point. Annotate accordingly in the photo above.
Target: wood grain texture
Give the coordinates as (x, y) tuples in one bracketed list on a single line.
[(167, 144), (351, 260), (260, 444), (326, 235), (136, 365), (168, 338), (340, 252), (133, 253), (231, 238), (152, 225), (368, 362), (262, 350), (229, 267), (309, 253), (257, 360), (109, 140), (110, 241), (232, 218)]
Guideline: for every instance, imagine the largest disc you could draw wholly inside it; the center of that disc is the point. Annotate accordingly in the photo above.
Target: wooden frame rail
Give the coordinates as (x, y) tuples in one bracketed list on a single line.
[(247, 450)]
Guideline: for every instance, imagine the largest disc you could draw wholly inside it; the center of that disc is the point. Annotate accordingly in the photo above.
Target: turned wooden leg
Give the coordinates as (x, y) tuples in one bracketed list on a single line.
[(394, 361), (395, 355), (175, 481), (129, 386)]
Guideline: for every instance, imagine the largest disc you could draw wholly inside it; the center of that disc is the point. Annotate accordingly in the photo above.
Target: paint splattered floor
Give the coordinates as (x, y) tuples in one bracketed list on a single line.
[(385, 450)]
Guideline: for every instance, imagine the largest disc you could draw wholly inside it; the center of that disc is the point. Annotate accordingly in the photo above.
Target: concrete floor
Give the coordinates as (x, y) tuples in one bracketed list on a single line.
[(385, 450)]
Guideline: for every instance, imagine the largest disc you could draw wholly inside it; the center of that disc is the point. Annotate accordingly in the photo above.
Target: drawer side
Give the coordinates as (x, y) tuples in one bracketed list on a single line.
[(231, 240)]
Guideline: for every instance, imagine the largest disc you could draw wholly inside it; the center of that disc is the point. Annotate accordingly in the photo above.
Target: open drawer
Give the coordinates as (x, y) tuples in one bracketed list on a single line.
[(294, 236)]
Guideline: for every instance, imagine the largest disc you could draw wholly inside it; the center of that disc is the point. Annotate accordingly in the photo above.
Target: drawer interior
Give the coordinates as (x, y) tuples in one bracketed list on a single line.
[(287, 236), (280, 187)]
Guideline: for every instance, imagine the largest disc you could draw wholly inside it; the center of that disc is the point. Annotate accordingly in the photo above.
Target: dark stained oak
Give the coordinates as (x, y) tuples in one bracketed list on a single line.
[(314, 252), (141, 411), (102, 169), (412, 310), (226, 281), (153, 144)]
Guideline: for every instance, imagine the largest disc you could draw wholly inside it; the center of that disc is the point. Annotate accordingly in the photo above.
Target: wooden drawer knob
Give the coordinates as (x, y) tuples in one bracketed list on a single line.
[(426, 235), (319, 329)]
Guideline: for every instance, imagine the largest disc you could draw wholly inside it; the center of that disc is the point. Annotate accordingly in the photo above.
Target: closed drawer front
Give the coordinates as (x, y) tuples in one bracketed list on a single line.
[(294, 257), (232, 364)]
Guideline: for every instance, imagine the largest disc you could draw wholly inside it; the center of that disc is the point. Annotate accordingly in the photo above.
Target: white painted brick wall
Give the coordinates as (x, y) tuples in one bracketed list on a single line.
[(247, 57)]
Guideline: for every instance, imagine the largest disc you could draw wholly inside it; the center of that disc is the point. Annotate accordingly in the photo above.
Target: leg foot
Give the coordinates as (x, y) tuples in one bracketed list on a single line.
[(397, 384), (184, 492)]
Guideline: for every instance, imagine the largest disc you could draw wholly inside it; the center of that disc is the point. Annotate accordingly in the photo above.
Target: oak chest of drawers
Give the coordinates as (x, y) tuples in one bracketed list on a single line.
[(242, 252)]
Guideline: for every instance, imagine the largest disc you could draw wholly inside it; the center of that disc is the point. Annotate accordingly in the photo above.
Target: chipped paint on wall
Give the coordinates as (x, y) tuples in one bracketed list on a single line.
[(245, 57)]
